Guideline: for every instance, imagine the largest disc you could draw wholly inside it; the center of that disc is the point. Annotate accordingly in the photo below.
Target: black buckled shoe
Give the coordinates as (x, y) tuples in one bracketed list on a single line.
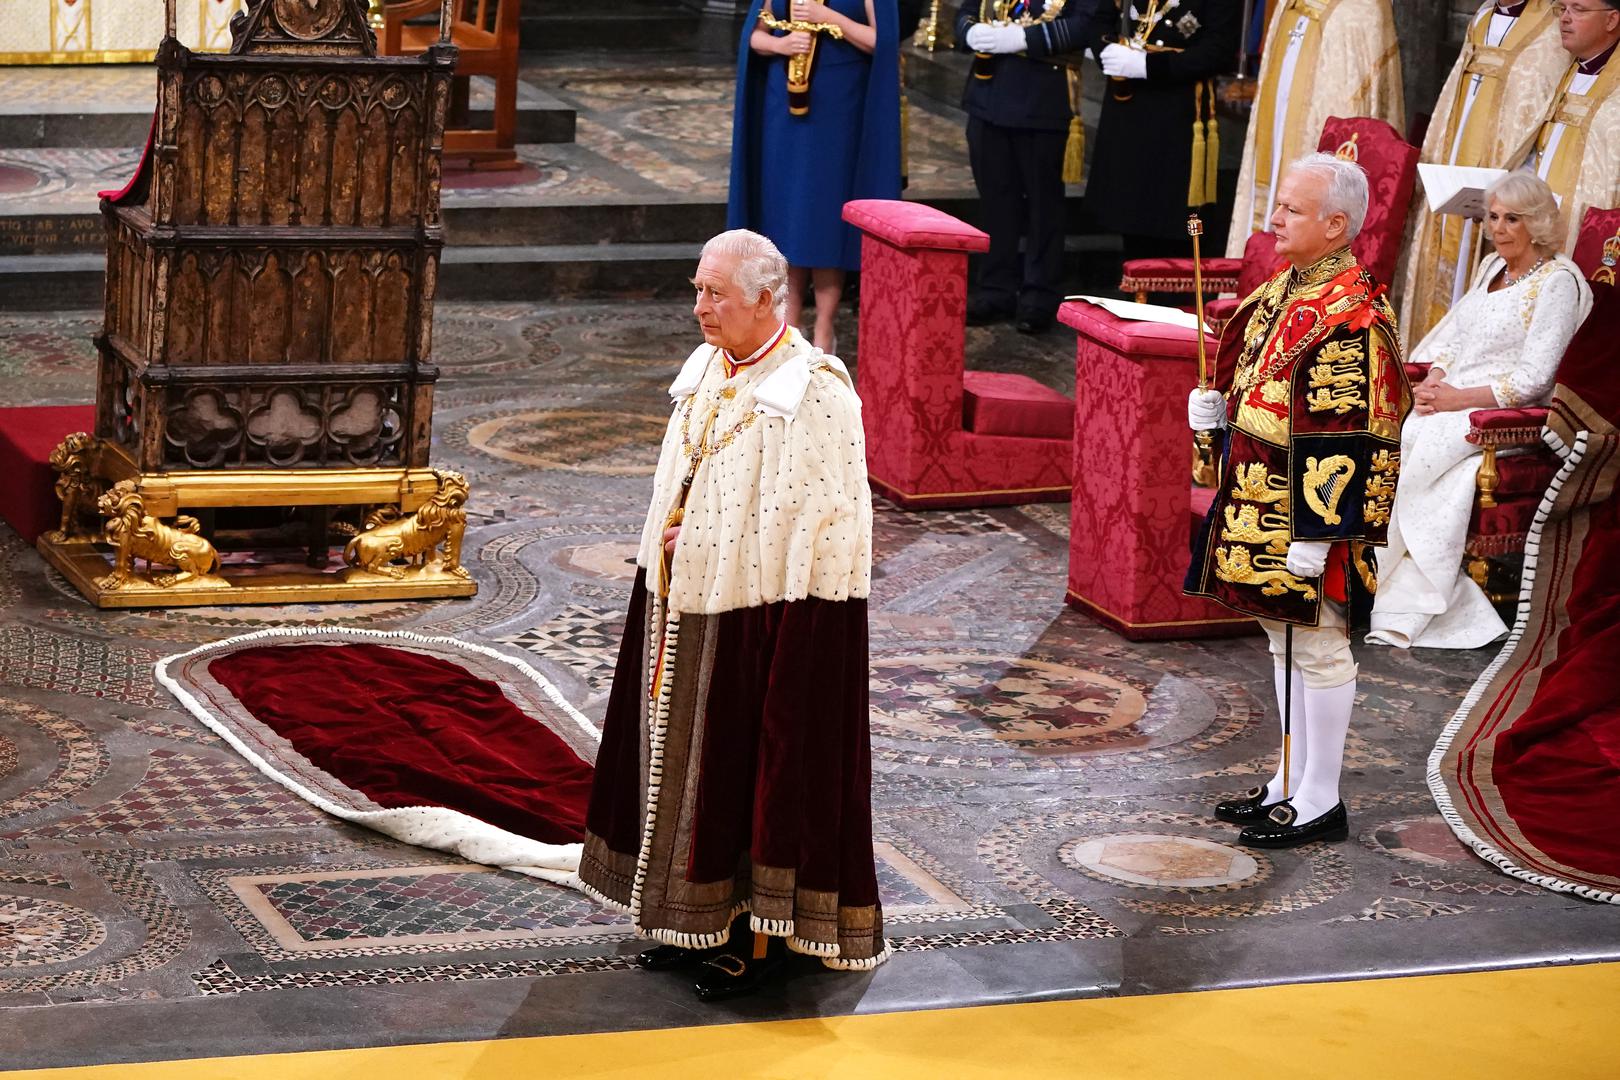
[(669, 957), (728, 975), (1282, 830), (1249, 810)]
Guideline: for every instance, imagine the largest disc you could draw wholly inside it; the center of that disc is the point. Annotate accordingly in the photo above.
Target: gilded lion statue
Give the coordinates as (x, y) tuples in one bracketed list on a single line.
[(390, 537), (75, 486), (135, 534)]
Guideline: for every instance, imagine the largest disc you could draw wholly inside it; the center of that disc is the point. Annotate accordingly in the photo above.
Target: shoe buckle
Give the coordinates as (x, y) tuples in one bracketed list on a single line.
[(1283, 814), (1256, 792), (729, 964)]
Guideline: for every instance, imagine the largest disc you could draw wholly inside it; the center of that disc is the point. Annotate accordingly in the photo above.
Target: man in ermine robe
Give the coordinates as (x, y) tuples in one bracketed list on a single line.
[(1509, 68), (1576, 146), (731, 810), (1321, 58)]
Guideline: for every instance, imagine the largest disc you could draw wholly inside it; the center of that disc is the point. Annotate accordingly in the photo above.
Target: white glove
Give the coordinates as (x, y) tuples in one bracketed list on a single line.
[(1308, 558), (982, 37), (1122, 62), (1206, 410)]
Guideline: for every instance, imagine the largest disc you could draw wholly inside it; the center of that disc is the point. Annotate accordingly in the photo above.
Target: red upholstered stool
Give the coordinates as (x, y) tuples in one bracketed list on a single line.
[(936, 436), (997, 403), (1134, 507), (27, 482)]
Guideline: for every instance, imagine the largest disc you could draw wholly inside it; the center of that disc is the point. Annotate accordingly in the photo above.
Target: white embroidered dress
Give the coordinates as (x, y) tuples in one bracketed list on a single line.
[(1510, 340)]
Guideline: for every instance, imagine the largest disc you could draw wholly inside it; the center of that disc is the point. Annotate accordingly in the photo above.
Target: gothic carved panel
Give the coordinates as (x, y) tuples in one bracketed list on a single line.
[(285, 425)]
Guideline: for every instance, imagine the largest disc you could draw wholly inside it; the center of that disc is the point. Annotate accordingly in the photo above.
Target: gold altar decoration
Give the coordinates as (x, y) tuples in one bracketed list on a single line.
[(108, 31), (265, 378)]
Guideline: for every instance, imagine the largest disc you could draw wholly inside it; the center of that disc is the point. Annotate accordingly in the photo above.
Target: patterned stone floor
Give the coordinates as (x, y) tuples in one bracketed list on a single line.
[(660, 128), (1041, 785)]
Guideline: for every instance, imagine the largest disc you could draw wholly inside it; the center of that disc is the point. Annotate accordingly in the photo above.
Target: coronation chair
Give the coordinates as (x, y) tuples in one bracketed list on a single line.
[(1391, 165), (1510, 485), (936, 435), (485, 33)]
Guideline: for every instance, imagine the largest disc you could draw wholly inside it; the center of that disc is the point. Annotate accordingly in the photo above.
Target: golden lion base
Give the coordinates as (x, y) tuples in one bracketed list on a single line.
[(87, 564)]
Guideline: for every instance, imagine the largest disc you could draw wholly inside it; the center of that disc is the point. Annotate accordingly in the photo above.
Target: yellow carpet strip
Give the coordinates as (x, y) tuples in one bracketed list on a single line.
[(1518, 1024)]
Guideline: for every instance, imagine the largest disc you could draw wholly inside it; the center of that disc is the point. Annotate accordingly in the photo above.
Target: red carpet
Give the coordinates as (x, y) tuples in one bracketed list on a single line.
[(430, 740), (1528, 771), (27, 482)]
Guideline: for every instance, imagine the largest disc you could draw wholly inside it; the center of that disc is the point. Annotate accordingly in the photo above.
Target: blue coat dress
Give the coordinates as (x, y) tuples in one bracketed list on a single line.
[(791, 175)]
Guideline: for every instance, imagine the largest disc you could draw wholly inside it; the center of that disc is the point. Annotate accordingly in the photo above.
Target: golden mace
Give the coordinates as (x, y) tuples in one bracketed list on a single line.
[(1195, 229)]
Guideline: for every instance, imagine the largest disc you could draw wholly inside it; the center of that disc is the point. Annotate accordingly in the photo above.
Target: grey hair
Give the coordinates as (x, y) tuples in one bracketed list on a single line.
[(760, 267), (1346, 189), (1529, 196)]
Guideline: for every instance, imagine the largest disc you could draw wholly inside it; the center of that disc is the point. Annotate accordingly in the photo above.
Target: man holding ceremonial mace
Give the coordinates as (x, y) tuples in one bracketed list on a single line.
[(1312, 417)]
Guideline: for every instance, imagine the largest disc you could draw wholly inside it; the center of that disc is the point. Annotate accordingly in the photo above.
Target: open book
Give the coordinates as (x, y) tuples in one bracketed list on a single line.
[(1130, 309), (1457, 189)]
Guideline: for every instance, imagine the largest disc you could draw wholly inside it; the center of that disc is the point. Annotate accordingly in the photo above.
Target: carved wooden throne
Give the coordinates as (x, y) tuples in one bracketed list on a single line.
[(266, 360)]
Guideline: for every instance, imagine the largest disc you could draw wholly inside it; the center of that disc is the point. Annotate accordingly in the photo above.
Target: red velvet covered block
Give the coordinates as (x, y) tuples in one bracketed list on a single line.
[(1525, 474), (1133, 501), (910, 377), (997, 403), (27, 482)]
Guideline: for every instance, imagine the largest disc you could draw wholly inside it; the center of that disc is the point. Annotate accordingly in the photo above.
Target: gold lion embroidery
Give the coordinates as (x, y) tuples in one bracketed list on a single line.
[(1256, 484), (1337, 378), (1326, 483), (1240, 566), (1247, 525), (1380, 492)]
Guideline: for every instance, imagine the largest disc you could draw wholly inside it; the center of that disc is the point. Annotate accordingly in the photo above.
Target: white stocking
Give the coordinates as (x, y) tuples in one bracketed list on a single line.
[(1296, 751), (1327, 717)]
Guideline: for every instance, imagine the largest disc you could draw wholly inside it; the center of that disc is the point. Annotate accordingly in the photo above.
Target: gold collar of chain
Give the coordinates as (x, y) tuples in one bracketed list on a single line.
[(995, 12)]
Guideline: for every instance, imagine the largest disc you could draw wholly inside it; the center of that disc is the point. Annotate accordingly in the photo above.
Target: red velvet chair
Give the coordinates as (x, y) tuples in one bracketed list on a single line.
[(1391, 165), (937, 435), (1511, 486)]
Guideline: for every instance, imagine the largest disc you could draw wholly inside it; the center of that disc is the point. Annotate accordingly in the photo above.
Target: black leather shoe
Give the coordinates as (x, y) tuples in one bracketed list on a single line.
[(727, 975), (669, 957), (1033, 324), (1249, 810), (1282, 831), (983, 312)]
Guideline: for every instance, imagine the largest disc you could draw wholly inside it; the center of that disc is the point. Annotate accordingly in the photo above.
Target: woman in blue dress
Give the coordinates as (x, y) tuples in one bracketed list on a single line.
[(791, 175)]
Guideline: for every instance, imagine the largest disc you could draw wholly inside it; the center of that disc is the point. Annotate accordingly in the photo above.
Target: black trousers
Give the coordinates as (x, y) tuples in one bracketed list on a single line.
[(1019, 174)]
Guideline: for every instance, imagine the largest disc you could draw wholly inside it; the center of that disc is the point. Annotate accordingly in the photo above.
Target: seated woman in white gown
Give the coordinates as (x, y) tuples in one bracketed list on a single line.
[(1498, 347)]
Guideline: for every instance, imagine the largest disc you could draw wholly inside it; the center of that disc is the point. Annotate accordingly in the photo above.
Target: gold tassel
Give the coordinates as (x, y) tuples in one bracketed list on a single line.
[(1195, 181), (1074, 150), (1212, 151)]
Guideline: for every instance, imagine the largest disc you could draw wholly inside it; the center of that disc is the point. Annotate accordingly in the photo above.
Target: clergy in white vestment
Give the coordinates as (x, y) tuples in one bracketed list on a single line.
[(1509, 68), (1498, 348), (1321, 58), (1576, 147)]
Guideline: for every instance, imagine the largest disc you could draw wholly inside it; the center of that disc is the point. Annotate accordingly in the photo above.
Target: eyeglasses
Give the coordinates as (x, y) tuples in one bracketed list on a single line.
[(1575, 12)]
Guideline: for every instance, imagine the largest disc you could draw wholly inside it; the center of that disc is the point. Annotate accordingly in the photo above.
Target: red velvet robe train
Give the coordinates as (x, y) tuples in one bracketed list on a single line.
[(760, 775)]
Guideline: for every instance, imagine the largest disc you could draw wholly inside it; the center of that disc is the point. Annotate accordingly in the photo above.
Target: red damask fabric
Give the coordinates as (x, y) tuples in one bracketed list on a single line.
[(27, 482), (1391, 166), (910, 373), (1598, 228), (412, 730)]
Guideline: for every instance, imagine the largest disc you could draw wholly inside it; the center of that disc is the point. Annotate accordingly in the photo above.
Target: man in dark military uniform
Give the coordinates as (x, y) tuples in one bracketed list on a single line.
[(1317, 394), (1017, 101), (1154, 159)]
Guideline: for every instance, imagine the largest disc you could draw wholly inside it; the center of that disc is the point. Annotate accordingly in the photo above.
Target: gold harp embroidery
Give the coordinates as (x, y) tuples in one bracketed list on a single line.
[(1325, 484)]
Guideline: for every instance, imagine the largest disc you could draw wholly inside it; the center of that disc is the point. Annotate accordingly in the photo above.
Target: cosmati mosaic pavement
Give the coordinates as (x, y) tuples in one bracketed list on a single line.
[(660, 130), (1039, 780)]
